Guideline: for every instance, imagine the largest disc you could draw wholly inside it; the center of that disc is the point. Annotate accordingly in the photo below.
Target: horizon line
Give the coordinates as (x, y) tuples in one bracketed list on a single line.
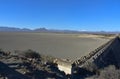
[(32, 29)]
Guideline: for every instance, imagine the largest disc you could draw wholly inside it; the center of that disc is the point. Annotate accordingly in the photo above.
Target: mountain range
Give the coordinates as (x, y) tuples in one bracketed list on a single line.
[(14, 29)]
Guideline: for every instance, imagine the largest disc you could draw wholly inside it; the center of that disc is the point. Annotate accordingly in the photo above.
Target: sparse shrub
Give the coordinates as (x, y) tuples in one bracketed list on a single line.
[(2, 52), (31, 54), (109, 73), (90, 67), (47, 58)]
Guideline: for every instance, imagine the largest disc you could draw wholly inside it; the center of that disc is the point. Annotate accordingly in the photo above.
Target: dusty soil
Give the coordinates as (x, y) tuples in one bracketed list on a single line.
[(67, 46)]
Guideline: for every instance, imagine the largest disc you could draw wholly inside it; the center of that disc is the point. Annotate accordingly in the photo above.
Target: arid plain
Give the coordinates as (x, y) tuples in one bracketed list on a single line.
[(68, 46)]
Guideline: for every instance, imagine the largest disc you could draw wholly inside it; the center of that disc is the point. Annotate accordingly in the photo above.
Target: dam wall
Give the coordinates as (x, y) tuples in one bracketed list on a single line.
[(103, 56)]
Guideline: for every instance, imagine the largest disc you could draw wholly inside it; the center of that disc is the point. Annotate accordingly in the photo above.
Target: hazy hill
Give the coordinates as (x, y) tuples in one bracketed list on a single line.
[(14, 29)]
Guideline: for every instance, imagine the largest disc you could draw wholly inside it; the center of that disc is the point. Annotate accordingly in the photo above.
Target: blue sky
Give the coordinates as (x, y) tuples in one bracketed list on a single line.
[(91, 15)]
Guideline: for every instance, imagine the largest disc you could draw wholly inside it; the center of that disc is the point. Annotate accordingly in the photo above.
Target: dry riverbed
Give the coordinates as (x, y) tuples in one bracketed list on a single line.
[(67, 46)]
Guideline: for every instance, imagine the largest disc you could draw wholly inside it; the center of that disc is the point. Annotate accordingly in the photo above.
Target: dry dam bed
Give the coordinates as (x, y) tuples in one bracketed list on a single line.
[(67, 46)]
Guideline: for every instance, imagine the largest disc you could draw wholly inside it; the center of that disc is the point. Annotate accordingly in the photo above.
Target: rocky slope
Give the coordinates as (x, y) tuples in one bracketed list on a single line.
[(28, 65)]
